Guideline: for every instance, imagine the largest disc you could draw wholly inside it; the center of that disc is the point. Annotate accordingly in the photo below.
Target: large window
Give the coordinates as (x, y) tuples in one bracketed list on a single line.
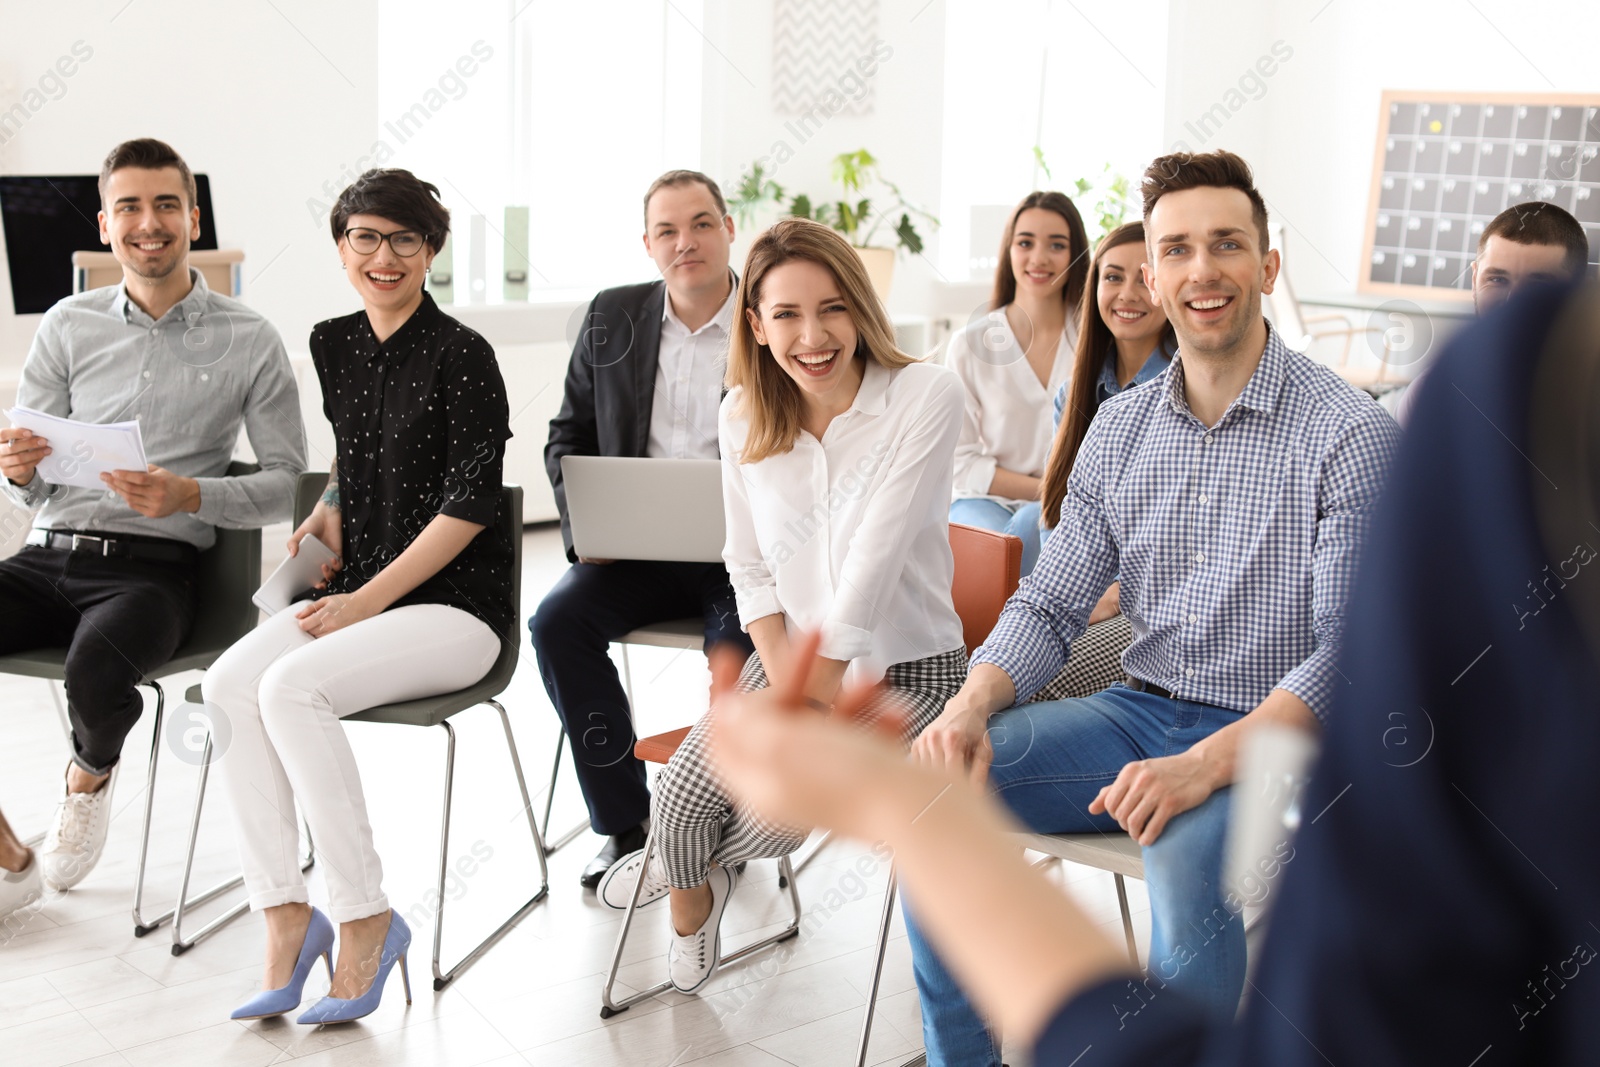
[(1084, 80), (567, 109)]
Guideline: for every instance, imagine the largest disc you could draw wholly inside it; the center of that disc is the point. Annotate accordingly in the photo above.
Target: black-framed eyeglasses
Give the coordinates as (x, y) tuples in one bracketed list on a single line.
[(404, 243)]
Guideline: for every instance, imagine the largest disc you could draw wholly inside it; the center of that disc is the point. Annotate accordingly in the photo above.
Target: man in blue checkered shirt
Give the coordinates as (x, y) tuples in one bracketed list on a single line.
[(1230, 494)]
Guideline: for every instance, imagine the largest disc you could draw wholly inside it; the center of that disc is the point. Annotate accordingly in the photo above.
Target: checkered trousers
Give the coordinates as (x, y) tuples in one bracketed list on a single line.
[(1095, 664), (697, 822)]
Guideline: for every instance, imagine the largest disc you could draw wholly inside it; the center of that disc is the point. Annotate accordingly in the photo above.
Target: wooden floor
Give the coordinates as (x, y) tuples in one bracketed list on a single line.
[(76, 986)]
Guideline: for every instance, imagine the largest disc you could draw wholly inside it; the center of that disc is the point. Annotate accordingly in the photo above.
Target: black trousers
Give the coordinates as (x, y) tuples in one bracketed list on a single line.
[(591, 606), (118, 619)]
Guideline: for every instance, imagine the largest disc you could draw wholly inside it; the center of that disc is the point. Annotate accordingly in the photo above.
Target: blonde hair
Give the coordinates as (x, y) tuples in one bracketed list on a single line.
[(771, 402)]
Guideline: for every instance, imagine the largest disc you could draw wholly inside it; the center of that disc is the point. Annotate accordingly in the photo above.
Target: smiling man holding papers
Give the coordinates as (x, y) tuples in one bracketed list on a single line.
[(109, 571)]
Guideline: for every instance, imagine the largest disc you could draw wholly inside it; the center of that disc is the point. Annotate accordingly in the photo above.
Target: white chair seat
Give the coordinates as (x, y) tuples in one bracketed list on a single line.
[(1114, 852), (676, 633)]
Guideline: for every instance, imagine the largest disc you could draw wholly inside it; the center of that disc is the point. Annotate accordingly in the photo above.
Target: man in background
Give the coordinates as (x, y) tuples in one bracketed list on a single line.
[(1530, 243), (645, 380)]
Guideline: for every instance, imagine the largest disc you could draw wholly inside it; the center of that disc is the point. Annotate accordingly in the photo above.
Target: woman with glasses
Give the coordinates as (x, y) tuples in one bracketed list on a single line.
[(414, 604)]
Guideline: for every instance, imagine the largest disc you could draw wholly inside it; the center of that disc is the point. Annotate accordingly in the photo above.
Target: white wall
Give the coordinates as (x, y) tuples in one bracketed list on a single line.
[(903, 132), (1310, 135), (246, 98), (280, 108)]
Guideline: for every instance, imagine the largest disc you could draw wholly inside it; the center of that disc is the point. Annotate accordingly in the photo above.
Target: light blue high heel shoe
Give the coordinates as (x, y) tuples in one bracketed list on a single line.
[(336, 1010), (270, 1002)]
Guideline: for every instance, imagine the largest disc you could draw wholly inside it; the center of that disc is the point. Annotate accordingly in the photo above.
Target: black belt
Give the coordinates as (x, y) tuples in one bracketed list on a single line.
[(151, 550), (1138, 685)]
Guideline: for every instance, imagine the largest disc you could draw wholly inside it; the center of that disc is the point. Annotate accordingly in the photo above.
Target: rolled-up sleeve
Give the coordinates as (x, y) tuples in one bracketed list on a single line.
[(277, 437), (479, 418), (1351, 482)]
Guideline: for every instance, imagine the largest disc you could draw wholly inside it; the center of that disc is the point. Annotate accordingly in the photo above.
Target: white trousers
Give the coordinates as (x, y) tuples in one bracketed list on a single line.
[(283, 693)]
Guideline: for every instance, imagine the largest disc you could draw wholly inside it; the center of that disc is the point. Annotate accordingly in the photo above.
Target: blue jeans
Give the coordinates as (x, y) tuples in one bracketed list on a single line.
[(992, 515), (1050, 760)]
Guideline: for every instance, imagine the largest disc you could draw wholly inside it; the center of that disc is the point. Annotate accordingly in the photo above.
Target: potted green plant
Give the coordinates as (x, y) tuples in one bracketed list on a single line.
[(868, 202)]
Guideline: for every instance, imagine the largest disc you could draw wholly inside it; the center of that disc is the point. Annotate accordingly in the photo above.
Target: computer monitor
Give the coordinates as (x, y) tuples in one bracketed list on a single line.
[(47, 218)]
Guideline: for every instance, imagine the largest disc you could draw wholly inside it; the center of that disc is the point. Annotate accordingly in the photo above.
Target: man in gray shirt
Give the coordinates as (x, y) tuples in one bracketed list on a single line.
[(110, 573)]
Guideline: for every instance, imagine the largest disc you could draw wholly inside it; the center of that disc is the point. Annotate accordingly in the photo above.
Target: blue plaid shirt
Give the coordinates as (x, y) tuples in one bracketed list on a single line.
[(1236, 544)]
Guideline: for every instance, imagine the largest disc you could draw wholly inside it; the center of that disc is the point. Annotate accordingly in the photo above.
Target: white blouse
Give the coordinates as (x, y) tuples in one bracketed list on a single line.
[(850, 534), (1007, 418)]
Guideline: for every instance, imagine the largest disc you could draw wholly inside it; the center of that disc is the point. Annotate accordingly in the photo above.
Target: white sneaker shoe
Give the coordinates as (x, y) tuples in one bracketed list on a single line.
[(616, 887), (692, 960), (78, 835), (22, 890)]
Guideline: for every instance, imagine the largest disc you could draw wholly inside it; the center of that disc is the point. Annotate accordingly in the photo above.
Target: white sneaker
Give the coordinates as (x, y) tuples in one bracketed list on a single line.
[(78, 835), (692, 960), (21, 890), (616, 887)]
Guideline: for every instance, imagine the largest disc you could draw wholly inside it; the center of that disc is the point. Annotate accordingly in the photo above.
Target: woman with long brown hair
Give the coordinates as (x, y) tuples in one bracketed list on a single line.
[(1011, 361), (837, 452), (1124, 340)]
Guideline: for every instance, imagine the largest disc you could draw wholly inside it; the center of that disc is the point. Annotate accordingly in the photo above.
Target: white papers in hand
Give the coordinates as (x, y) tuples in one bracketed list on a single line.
[(82, 451)]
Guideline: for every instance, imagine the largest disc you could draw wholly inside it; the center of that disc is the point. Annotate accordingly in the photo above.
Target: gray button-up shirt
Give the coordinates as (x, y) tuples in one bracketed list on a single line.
[(190, 379)]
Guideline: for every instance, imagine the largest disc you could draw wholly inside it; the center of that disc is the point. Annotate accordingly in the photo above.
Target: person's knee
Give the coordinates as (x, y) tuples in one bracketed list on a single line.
[(228, 685), (560, 619), (282, 693), (679, 780), (1185, 861), (1011, 737), (99, 679)]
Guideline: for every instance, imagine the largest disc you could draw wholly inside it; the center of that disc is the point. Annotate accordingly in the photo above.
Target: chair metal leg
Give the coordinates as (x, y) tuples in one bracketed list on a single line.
[(627, 674), (142, 926), (1127, 919), (551, 847), (61, 711), (827, 839), (889, 895), (441, 977), (181, 944), (610, 1007)]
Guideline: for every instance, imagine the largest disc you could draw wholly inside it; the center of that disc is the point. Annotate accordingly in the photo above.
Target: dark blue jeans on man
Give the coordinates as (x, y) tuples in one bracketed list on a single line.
[(1050, 760)]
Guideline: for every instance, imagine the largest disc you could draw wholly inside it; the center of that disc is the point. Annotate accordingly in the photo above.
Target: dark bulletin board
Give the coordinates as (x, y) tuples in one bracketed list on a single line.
[(1448, 163)]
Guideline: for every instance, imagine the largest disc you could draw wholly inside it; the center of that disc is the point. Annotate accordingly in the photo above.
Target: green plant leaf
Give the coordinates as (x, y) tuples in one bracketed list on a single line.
[(800, 206), (1038, 158), (910, 240), (848, 222)]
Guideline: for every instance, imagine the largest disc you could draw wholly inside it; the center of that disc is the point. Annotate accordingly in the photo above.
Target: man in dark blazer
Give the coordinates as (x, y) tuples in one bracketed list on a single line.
[(645, 380)]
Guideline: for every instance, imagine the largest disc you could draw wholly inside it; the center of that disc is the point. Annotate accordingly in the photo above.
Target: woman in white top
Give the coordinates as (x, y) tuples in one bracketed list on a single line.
[(837, 449), (1011, 362)]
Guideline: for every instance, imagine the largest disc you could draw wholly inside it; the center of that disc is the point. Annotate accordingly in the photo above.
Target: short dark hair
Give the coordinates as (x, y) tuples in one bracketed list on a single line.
[(684, 177), (398, 195), (1541, 223), (1177, 171), (147, 153)]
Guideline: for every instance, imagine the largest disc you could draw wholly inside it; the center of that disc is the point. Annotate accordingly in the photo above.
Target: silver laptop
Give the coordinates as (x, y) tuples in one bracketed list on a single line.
[(622, 507)]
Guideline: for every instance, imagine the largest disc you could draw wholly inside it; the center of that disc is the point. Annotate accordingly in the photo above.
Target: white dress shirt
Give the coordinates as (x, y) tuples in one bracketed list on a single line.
[(850, 534), (1007, 418), (689, 373)]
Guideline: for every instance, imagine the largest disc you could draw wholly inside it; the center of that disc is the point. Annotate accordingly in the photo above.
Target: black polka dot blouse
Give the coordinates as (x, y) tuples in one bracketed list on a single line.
[(421, 422)]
